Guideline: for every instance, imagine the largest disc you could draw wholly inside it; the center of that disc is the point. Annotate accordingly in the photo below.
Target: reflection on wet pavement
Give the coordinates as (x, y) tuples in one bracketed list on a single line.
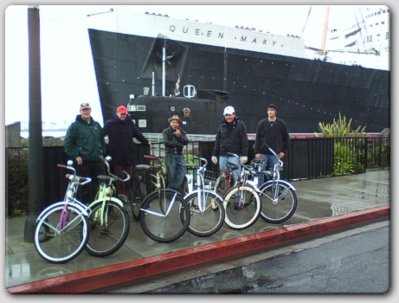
[(318, 198)]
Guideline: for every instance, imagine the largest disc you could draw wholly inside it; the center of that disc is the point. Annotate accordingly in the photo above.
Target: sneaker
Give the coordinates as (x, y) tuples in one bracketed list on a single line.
[(214, 205)]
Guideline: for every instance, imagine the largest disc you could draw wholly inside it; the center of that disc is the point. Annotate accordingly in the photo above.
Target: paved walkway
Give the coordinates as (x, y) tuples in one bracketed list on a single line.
[(343, 200)]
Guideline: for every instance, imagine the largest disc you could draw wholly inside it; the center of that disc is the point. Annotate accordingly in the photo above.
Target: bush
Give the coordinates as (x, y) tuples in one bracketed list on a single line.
[(346, 154), (18, 186)]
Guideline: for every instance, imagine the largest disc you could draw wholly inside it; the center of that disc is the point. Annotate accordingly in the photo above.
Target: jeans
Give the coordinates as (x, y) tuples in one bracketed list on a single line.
[(270, 160), (222, 165), (92, 169), (176, 170)]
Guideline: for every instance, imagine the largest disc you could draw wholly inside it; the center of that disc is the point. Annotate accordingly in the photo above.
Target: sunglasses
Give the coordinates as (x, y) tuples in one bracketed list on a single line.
[(229, 115)]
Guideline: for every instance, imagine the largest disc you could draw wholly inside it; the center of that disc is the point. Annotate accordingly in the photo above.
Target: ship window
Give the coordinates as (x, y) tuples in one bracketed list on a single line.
[(142, 123), (141, 108), (131, 107)]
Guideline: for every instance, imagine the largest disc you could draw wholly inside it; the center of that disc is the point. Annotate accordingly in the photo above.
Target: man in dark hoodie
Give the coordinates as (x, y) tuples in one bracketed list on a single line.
[(84, 143), (231, 137), (121, 130)]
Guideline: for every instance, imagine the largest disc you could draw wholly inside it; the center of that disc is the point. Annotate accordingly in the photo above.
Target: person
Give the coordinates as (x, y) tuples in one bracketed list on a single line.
[(121, 130), (84, 143), (271, 132), (174, 138), (231, 137)]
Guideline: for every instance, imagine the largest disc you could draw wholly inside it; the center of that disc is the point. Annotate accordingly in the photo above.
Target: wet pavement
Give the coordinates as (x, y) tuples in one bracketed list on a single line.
[(317, 199)]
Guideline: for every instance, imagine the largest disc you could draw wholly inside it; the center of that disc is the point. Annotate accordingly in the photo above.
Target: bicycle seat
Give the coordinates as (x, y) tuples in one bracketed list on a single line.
[(191, 166), (142, 167), (104, 177)]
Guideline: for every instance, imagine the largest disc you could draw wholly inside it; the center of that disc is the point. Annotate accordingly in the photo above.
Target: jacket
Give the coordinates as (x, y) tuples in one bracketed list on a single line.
[(84, 139), (231, 137), (174, 144), (120, 139), (274, 135)]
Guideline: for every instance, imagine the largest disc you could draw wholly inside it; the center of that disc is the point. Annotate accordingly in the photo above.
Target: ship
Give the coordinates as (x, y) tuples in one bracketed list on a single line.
[(160, 66)]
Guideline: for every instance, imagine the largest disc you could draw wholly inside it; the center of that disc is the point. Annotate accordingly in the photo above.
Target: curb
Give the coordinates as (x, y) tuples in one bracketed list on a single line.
[(95, 280)]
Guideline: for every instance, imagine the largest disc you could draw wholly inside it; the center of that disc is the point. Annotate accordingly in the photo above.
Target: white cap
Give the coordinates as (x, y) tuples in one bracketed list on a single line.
[(228, 110)]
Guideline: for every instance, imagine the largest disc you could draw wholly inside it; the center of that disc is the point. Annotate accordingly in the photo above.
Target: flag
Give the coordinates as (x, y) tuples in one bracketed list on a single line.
[(177, 88)]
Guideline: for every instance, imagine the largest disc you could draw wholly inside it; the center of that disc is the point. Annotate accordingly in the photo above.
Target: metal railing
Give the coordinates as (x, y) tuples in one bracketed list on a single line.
[(308, 158)]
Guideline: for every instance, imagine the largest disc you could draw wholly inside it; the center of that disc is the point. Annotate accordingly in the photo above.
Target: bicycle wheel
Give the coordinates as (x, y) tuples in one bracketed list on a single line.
[(279, 201), (139, 192), (209, 221), (109, 228), (61, 235), (242, 206), (161, 218)]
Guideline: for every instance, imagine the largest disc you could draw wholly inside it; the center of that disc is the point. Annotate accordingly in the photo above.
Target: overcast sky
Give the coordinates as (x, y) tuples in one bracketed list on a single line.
[(66, 62)]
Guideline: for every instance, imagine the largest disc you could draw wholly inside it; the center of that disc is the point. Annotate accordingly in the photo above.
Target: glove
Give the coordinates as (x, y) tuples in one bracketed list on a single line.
[(214, 160), (243, 159)]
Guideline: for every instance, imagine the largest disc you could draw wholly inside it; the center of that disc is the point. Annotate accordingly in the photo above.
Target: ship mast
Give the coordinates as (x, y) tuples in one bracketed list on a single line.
[(325, 29)]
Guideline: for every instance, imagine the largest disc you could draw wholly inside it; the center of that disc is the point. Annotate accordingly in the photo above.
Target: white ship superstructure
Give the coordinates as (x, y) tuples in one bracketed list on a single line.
[(365, 42)]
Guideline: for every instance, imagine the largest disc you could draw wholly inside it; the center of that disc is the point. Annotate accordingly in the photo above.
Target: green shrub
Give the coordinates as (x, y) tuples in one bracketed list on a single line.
[(346, 154), (18, 186)]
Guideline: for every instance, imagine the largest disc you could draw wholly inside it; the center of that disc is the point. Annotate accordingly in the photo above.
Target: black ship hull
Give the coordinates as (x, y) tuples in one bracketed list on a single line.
[(306, 92)]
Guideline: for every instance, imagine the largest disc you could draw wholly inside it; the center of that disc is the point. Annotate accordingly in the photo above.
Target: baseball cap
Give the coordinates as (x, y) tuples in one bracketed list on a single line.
[(272, 106), (228, 110), (85, 105), (121, 109)]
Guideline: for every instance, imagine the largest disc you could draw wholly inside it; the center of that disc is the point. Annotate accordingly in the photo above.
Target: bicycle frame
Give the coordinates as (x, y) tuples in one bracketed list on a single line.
[(161, 214), (106, 192)]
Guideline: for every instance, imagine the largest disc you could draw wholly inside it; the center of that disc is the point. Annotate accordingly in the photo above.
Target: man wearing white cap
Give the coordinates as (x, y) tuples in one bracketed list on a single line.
[(231, 137)]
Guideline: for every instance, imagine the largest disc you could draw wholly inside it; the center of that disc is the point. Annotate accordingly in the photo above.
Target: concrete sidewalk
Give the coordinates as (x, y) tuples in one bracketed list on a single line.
[(325, 206)]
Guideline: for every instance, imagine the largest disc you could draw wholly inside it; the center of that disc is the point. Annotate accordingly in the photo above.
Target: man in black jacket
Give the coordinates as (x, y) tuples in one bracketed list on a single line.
[(231, 137), (174, 138), (271, 132), (121, 130)]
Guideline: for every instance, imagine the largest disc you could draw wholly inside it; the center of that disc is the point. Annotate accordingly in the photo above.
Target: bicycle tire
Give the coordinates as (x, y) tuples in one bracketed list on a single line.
[(248, 210), (59, 246), (139, 193), (209, 221), (279, 201), (163, 228), (108, 236)]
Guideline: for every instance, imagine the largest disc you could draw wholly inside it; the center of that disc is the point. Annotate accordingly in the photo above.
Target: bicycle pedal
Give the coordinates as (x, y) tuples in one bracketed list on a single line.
[(104, 231)]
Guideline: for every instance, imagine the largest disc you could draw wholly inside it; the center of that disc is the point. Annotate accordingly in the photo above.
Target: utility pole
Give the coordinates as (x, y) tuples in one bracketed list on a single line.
[(35, 157)]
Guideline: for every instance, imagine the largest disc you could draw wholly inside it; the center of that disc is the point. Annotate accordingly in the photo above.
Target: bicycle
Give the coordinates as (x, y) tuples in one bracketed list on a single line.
[(101, 227), (279, 198), (139, 188), (241, 202), (164, 215), (109, 222), (204, 221), (62, 229)]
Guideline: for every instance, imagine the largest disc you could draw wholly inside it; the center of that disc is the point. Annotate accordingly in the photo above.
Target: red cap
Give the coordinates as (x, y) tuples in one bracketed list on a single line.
[(121, 110)]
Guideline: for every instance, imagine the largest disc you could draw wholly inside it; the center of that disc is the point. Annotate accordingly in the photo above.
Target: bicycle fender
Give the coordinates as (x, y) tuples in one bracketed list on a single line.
[(281, 181), (48, 208), (116, 200)]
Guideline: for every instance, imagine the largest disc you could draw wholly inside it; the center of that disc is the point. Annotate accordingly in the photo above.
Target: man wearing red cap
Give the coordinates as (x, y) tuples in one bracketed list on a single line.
[(121, 130)]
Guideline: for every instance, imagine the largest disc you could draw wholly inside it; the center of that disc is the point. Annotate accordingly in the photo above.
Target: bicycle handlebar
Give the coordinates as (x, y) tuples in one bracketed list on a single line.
[(70, 177), (202, 160)]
